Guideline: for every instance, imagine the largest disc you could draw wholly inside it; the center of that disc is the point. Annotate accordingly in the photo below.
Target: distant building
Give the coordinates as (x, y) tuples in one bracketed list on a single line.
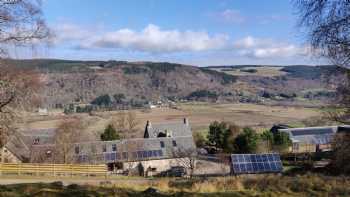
[(43, 111), (313, 139)]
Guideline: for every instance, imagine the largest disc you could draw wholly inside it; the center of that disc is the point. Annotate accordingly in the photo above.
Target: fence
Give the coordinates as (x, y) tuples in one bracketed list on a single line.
[(52, 169)]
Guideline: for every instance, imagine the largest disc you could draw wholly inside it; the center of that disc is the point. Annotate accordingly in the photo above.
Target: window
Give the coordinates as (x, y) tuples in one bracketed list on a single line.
[(36, 141), (114, 147), (48, 153), (160, 153), (104, 148), (161, 144), (149, 153), (144, 154), (134, 155), (76, 150), (93, 148), (139, 154), (108, 156), (295, 147), (174, 143), (155, 153), (113, 155), (125, 155)]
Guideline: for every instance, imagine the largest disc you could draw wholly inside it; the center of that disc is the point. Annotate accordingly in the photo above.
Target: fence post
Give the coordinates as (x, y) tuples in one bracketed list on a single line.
[(37, 169), (18, 169), (88, 171), (71, 170), (53, 170)]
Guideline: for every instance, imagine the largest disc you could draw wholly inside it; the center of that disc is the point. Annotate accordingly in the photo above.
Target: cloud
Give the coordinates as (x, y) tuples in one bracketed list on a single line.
[(155, 40), (65, 32), (268, 48), (231, 16)]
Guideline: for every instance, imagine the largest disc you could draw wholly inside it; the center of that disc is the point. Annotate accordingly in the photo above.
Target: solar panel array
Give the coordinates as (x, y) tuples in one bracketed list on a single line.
[(256, 163), (125, 156), (139, 155)]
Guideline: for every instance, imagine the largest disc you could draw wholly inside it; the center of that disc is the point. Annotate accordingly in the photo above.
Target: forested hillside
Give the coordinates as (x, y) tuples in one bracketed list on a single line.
[(67, 81)]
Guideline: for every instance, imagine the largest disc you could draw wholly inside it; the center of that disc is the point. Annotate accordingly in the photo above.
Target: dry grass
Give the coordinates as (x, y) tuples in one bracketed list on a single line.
[(248, 185), (199, 114), (266, 71)]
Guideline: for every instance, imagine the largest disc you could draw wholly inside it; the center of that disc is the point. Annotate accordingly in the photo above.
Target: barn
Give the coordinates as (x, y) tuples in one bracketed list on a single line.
[(313, 139)]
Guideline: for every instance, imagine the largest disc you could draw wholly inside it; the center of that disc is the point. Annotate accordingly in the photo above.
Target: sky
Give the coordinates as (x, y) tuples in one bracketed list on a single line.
[(195, 32)]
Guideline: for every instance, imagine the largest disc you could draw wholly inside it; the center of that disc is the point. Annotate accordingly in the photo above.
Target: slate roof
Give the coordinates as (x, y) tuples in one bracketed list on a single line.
[(180, 144), (311, 135), (173, 129), (22, 141)]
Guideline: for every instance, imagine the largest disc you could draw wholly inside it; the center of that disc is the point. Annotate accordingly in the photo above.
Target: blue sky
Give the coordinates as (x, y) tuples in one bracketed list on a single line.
[(197, 32)]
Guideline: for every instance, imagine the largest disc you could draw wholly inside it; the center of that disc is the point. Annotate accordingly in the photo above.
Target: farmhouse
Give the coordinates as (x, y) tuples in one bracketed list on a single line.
[(19, 147), (164, 146), (313, 139)]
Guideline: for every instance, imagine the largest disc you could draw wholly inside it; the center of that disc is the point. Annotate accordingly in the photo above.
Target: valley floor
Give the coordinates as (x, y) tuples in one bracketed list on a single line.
[(200, 115)]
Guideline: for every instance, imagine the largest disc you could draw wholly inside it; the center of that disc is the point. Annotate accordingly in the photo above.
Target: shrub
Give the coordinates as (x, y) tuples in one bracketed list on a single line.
[(202, 94), (110, 134), (133, 70), (246, 142), (199, 139), (103, 100)]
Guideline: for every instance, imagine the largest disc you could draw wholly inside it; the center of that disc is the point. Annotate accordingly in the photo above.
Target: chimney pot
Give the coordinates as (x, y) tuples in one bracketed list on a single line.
[(185, 121)]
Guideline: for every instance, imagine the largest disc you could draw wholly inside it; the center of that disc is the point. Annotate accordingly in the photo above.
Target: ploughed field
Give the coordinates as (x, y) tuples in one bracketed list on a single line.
[(200, 116)]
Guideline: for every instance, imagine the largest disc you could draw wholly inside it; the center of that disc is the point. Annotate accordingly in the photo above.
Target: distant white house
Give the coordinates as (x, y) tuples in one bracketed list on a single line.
[(43, 111)]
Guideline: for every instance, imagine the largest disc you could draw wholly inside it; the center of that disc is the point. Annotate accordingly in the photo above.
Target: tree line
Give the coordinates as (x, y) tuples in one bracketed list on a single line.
[(228, 137)]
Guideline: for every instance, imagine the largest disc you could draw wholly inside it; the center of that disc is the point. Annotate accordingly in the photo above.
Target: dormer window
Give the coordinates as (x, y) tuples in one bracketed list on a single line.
[(114, 147), (36, 141), (76, 150), (48, 153)]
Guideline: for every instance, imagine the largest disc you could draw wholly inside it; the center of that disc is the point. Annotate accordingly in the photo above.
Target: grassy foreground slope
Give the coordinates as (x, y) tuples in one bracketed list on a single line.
[(270, 185)]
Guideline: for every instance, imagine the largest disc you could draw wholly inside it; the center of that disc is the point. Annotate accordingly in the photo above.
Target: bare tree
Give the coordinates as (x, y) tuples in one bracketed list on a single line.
[(119, 123), (341, 157), (125, 123), (186, 158), (18, 90), (68, 132), (327, 25), (328, 31), (21, 23), (132, 122)]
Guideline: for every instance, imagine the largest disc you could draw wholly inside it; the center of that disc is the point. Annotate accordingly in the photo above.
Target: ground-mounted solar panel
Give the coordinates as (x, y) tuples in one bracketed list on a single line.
[(256, 163)]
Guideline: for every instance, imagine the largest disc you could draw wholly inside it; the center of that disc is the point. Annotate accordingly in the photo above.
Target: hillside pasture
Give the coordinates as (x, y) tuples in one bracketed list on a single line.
[(264, 71)]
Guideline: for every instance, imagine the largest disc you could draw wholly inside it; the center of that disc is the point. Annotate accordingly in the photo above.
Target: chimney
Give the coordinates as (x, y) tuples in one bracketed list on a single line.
[(185, 121), (148, 124)]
